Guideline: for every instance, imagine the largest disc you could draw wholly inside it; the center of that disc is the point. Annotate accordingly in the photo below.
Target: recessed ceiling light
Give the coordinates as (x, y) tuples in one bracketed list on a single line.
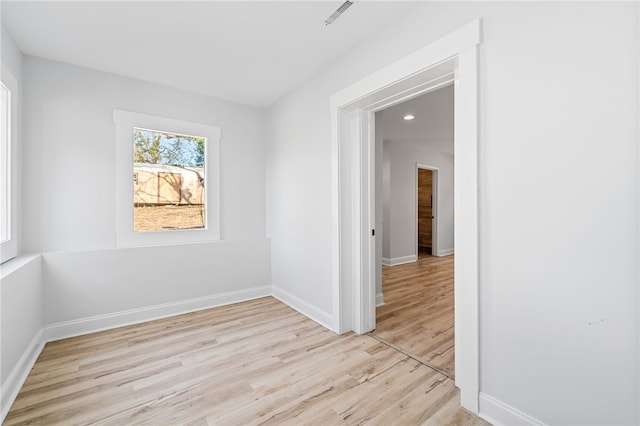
[(409, 117)]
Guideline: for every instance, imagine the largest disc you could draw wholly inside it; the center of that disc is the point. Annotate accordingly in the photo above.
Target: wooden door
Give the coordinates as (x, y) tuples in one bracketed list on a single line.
[(425, 209)]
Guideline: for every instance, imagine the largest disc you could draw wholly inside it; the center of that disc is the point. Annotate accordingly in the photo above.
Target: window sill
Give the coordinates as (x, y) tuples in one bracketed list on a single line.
[(17, 263)]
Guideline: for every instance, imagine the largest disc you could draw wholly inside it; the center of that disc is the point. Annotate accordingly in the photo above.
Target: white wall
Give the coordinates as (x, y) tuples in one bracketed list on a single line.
[(136, 284), (298, 196), (69, 198), (385, 195), (559, 244), (22, 324), (402, 200), (70, 147), (11, 56)]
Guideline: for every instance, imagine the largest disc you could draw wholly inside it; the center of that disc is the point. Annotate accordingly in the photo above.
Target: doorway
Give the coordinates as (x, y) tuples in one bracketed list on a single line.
[(415, 158), (453, 57)]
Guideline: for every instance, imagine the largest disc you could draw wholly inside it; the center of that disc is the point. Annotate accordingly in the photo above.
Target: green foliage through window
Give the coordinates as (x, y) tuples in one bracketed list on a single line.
[(153, 147)]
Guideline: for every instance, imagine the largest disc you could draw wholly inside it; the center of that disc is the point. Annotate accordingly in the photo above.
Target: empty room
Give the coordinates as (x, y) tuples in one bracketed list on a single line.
[(193, 223)]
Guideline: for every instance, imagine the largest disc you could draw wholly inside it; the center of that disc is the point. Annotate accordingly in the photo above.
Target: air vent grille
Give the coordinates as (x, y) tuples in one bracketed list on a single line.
[(339, 11)]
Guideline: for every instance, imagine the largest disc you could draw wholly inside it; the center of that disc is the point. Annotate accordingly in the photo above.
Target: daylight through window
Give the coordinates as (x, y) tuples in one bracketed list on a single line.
[(168, 181), (8, 211), (5, 161)]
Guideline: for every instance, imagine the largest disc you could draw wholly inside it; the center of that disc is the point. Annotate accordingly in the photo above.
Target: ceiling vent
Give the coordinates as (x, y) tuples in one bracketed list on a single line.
[(339, 11)]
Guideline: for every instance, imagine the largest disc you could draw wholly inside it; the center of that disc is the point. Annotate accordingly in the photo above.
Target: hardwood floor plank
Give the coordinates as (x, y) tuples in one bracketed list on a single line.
[(253, 363), (418, 314)]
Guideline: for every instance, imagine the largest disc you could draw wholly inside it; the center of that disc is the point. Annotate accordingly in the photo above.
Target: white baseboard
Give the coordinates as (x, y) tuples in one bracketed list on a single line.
[(379, 299), (321, 317), (18, 375), (445, 252), (399, 260), (498, 413), (81, 326)]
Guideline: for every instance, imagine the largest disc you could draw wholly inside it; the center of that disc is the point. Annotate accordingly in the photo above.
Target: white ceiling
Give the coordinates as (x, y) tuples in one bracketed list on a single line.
[(433, 123), (252, 53)]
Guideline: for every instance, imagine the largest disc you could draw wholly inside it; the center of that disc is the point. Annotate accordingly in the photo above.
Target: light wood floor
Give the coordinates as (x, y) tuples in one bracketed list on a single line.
[(257, 362), (417, 316)]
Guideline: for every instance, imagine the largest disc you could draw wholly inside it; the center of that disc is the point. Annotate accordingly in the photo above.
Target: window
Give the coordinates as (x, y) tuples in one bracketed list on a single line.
[(8, 121), (167, 180)]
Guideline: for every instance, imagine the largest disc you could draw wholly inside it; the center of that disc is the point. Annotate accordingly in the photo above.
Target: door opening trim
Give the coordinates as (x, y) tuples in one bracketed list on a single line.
[(450, 59)]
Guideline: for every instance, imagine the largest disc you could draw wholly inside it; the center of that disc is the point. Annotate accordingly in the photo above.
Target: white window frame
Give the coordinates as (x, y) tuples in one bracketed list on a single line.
[(125, 121), (8, 168)]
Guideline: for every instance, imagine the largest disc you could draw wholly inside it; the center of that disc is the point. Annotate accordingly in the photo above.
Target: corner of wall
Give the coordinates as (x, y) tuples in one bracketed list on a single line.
[(321, 317)]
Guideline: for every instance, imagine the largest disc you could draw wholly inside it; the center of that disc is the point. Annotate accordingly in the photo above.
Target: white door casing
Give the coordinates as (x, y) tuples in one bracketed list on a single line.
[(452, 58)]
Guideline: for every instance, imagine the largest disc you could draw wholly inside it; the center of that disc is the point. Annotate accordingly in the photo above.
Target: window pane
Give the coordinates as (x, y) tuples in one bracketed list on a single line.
[(168, 181), (5, 166)]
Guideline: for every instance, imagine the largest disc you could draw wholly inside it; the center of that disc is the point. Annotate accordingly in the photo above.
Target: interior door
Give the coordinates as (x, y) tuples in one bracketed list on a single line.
[(425, 210)]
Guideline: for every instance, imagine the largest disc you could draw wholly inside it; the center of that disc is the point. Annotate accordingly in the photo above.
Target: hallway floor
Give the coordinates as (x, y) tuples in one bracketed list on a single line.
[(417, 316)]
